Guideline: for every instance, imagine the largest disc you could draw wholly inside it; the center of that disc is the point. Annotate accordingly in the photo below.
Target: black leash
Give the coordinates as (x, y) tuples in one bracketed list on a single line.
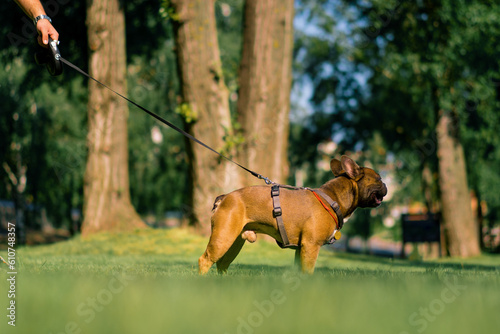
[(164, 121), (54, 61)]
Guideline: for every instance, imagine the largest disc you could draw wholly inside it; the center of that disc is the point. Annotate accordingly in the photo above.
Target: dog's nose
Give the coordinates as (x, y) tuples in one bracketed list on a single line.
[(384, 189)]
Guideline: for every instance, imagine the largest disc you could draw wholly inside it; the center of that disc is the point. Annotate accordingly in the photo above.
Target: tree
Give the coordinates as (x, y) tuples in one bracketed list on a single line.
[(265, 78), (107, 203), (426, 63), (262, 107), (204, 106), (460, 225)]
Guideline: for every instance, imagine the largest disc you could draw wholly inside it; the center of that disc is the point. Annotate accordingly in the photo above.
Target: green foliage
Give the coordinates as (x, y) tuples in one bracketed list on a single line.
[(167, 11), (416, 58), (229, 18), (157, 159), (45, 117), (188, 114), (42, 117), (323, 53), (372, 66), (232, 140), (431, 58)]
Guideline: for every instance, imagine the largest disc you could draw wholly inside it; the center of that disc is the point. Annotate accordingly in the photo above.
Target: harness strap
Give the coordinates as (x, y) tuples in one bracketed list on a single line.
[(327, 209), (334, 205), (277, 213), (339, 220)]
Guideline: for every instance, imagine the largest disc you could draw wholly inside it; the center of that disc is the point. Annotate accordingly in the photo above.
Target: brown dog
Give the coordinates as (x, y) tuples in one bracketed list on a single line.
[(239, 215)]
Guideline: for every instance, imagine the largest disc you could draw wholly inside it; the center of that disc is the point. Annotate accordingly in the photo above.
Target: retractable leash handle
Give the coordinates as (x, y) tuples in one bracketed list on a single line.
[(50, 57)]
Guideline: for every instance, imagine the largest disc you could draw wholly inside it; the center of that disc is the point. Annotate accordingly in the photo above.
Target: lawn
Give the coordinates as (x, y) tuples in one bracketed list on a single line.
[(147, 282)]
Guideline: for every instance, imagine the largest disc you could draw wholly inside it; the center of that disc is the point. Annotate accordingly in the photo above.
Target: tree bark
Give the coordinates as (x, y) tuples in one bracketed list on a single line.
[(205, 106), (107, 205), (265, 76), (427, 183), (459, 223)]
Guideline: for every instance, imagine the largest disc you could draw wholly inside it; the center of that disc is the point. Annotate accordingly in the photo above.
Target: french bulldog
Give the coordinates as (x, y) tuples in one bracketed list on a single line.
[(238, 216)]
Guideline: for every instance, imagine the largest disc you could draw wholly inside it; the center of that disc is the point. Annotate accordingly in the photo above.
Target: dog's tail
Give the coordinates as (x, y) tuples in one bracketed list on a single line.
[(217, 202)]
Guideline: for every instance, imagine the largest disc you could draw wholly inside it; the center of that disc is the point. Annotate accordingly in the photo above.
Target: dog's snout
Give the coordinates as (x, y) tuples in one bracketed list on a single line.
[(384, 190)]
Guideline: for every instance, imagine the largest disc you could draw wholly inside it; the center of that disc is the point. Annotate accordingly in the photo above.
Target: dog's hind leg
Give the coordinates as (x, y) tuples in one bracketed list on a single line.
[(222, 250), (204, 263), (222, 241), (227, 225), (230, 255)]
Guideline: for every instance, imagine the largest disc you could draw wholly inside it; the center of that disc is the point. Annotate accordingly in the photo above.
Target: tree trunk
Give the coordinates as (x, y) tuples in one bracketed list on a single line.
[(478, 212), (265, 76), (19, 182), (460, 225), (107, 205), (205, 106), (427, 183)]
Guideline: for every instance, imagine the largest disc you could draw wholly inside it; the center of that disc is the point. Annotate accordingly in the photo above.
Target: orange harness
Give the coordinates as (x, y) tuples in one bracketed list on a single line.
[(330, 211)]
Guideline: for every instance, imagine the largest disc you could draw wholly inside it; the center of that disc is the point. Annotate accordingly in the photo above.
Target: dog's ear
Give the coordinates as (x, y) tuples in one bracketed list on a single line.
[(336, 167), (351, 168)]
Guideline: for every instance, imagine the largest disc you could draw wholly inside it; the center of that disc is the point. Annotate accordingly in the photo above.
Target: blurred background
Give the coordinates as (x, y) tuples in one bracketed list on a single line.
[(411, 89)]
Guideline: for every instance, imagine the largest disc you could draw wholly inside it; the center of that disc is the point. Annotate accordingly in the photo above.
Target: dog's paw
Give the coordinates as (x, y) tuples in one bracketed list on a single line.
[(249, 236)]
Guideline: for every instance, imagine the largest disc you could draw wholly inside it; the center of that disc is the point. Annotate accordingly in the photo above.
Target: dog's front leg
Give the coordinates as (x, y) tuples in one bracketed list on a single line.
[(308, 256), (297, 258)]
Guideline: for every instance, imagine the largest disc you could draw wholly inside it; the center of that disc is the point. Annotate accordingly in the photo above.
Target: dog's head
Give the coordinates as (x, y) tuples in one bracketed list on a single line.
[(371, 188)]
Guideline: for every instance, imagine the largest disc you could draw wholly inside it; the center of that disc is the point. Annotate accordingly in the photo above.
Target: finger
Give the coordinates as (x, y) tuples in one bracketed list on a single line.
[(39, 39), (54, 34), (45, 37)]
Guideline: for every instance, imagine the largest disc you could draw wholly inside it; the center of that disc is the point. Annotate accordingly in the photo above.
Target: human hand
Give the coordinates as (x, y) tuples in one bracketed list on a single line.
[(45, 29)]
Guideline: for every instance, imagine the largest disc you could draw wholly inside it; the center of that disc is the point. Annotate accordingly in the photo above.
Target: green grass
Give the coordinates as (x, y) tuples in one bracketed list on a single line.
[(147, 282)]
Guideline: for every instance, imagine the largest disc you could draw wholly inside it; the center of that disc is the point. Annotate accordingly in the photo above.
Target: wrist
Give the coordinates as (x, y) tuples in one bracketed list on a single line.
[(41, 17)]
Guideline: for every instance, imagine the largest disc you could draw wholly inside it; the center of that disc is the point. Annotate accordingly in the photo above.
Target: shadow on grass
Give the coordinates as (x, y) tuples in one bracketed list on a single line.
[(362, 269), (252, 270), (418, 264)]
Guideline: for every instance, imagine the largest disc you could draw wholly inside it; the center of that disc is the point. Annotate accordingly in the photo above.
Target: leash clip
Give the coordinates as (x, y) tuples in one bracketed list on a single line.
[(266, 180)]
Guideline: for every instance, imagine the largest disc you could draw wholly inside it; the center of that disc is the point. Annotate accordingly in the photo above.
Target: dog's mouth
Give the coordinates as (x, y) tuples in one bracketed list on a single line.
[(378, 196)]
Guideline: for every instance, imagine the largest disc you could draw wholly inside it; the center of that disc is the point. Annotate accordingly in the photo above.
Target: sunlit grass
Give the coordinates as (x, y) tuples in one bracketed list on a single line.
[(147, 282)]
